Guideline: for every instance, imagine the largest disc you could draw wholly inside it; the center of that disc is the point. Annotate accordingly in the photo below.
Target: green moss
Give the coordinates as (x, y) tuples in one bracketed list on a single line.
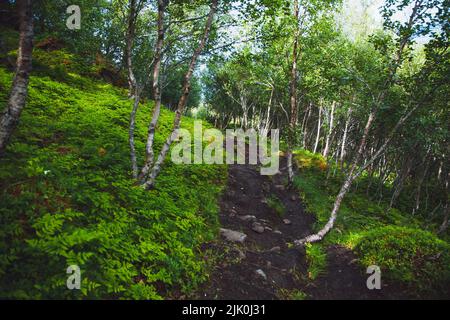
[(275, 203), (305, 159), (412, 256), (317, 260), (67, 196), (292, 294)]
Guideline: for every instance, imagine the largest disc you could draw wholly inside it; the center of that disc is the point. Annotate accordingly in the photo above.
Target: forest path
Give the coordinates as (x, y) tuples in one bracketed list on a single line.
[(264, 266)]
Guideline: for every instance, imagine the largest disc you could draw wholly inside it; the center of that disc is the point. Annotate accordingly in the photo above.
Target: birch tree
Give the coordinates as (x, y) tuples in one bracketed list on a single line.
[(156, 168), (416, 25), (149, 154), (19, 90), (293, 94)]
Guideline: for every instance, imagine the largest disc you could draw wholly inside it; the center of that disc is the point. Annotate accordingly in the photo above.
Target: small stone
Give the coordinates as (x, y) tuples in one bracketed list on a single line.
[(293, 198), (287, 221), (247, 218), (268, 228), (275, 249), (261, 273), (257, 227), (280, 187), (233, 236), (277, 232)]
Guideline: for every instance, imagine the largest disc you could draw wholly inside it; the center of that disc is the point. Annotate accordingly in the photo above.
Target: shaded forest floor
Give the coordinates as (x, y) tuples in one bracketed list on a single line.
[(266, 265)]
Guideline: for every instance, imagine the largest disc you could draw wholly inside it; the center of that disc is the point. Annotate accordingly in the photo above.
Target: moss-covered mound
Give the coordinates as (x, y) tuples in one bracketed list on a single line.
[(412, 256)]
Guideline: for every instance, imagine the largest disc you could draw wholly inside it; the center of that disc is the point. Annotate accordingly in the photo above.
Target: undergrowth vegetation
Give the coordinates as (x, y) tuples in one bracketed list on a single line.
[(397, 242), (316, 258), (67, 197), (276, 204)]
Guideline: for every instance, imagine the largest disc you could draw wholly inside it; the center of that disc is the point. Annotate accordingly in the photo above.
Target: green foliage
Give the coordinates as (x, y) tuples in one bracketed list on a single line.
[(357, 213), (305, 159), (298, 295), (8, 39), (275, 203), (412, 256), (391, 239), (292, 294), (317, 260), (67, 196)]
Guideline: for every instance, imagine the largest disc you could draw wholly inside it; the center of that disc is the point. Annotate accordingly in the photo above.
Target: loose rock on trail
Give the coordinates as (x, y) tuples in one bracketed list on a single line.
[(257, 259)]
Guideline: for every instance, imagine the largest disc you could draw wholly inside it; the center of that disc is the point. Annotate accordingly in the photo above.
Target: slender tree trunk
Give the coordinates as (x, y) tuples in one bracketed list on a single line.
[(441, 164), (319, 124), (400, 181), (330, 130), (419, 186), (345, 187), (445, 223), (305, 124), (267, 122), (329, 225), (131, 129), (381, 179), (371, 170), (149, 153), (129, 39), (132, 83), (19, 90), (293, 98), (344, 138), (304, 118), (243, 102), (183, 100)]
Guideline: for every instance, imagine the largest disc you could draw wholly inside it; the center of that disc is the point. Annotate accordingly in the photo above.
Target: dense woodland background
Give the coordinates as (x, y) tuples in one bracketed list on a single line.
[(362, 108)]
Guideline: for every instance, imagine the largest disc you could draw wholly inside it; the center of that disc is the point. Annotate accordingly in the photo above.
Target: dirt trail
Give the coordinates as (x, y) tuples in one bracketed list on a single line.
[(264, 266)]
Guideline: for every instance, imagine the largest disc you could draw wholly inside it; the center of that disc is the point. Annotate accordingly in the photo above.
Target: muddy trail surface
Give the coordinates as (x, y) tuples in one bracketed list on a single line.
[(256, 258)]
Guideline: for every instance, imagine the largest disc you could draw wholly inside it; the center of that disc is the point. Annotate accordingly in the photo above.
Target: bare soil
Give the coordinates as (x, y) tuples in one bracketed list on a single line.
[(265, 266)]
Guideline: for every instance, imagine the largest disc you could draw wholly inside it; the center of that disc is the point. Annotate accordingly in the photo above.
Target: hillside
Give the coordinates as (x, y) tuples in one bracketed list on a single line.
[(67, 196)]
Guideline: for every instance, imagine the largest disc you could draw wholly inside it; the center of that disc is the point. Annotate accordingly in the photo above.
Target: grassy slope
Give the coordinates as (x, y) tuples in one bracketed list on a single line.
[(67, 197), (395, 241)]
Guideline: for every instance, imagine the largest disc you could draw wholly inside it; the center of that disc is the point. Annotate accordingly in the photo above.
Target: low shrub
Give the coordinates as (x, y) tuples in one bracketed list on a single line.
[(305, 159), (412, 256), (317, 260)]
